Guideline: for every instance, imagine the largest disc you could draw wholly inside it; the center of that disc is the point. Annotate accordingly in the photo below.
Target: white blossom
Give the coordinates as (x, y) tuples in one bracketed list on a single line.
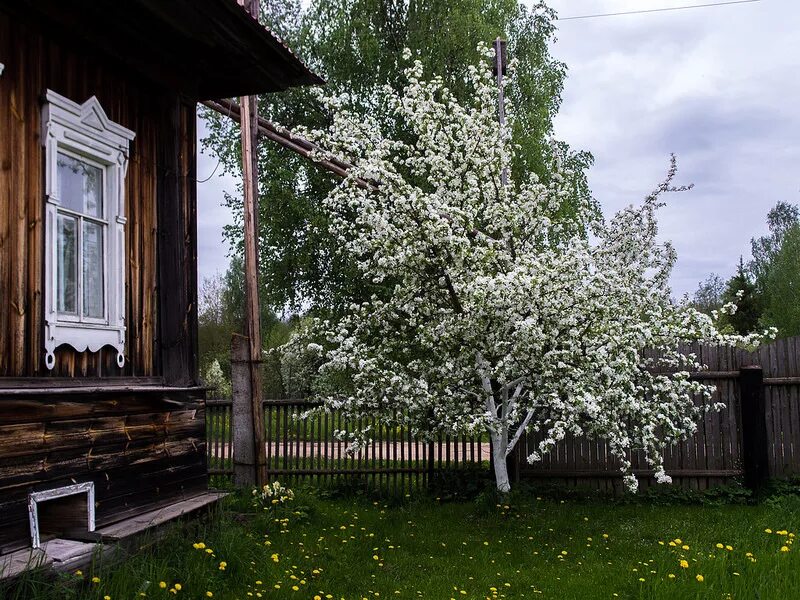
[(501, 316)]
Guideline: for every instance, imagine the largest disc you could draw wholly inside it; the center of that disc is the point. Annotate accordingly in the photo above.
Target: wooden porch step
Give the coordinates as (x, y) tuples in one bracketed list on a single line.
[(67, 555), (140, 523), (14, 563)]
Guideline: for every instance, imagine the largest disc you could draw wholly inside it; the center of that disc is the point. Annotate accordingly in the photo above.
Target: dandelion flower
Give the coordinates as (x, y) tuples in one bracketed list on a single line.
[(684, 564), (720, 546), (95, 579), (177, 586), (699, 577), (784, 548), (162, 585)]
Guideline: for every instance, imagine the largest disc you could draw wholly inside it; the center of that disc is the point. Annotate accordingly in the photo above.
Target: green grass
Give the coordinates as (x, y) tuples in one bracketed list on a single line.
[(359, 548)]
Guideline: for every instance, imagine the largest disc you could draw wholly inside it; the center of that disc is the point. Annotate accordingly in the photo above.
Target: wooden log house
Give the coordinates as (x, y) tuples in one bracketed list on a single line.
[(101, 409)]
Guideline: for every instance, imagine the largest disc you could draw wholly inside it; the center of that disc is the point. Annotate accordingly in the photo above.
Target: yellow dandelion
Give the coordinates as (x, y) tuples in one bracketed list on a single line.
[(684, 564), (671, 576), (729, 548), (95, 579), (784, 548), (210, 594), (768, 530), (162, 585), (720, 546), (699, 578), (178, 587)]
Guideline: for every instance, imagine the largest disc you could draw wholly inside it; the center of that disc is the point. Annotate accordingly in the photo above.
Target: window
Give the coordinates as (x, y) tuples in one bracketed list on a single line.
[(86, 158)]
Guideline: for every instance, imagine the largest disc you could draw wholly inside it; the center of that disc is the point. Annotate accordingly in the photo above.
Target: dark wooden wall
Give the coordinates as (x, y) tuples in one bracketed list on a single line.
[(141, 451), (146, 446), (160, 207)]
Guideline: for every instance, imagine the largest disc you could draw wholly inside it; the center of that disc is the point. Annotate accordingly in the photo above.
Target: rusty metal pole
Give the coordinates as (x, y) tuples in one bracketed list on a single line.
[(249, 129), (499, 68)]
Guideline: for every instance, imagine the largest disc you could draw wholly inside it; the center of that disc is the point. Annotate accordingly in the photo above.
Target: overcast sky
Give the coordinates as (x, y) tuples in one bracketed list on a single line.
[(719, 87)]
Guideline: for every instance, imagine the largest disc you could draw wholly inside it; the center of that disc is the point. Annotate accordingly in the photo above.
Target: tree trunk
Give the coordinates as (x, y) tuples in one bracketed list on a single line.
[(499, 443)]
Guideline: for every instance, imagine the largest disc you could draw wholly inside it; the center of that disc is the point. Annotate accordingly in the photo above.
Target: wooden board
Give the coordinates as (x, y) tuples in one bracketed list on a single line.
[(163, 151)]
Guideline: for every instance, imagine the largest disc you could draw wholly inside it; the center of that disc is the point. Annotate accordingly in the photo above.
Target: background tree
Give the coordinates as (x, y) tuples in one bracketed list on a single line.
[(356, 46), (780, 219), (741, 291), (783, 286), (708, 296), (220, 315)]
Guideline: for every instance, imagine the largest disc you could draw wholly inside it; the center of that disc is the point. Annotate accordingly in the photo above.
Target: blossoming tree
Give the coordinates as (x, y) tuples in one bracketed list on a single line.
[(491, 313)]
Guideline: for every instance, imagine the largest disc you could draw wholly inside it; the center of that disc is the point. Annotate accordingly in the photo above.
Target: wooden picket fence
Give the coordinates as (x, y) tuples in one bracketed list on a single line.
[(756, 435), (394, 462)]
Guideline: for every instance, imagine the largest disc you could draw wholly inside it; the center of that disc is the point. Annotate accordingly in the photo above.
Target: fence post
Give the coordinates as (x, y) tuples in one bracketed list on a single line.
[(430, 465), (244, 463), (755, 449)]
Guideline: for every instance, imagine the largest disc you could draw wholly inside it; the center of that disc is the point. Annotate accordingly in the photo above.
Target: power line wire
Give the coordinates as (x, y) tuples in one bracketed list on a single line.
[(655, 10)]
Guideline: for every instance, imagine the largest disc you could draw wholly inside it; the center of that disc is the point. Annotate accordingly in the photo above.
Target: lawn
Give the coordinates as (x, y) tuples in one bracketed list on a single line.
[(357, 548)]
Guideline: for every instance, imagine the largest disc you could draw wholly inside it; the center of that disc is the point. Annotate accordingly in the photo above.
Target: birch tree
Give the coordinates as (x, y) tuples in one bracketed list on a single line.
[(499, 318)]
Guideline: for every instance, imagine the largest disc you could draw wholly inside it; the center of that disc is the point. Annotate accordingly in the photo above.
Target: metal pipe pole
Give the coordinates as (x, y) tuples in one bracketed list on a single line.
[(500, 71)]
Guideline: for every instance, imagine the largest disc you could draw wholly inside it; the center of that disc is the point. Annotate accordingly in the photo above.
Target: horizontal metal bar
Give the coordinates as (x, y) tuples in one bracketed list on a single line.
[(221, 402), (387, 471), (781, 380), (588, 473)]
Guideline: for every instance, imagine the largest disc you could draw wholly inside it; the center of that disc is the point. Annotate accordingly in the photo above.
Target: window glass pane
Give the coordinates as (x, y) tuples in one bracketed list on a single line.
[(93, 270), (80, 186), (67, 259)]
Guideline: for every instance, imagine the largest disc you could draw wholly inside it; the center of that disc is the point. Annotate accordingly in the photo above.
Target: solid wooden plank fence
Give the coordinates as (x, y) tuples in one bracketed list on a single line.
[(756, 435)]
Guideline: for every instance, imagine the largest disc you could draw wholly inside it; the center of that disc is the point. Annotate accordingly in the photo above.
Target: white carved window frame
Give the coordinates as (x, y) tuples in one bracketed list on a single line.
[(85, 130)]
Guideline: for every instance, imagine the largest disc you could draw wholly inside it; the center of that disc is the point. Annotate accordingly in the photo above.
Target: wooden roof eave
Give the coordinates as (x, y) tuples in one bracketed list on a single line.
[(208, 49)]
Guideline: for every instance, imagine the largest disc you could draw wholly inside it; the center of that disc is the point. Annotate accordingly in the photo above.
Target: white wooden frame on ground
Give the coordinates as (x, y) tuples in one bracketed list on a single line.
[(34, 498), (85, 130)]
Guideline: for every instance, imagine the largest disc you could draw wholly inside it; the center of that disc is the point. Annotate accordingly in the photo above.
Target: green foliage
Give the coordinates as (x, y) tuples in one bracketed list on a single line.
[(742, 291), (356, 45), (782, 286), (523, 548), (780, 219), (220, 315)]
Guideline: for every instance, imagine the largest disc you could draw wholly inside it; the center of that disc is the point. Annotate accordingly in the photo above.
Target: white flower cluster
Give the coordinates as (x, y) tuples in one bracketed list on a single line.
[(271, 495), (500, 314)]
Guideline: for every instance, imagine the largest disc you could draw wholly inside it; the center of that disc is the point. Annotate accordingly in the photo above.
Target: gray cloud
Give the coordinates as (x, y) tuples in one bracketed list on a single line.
[(212, 216), (717, 86)]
